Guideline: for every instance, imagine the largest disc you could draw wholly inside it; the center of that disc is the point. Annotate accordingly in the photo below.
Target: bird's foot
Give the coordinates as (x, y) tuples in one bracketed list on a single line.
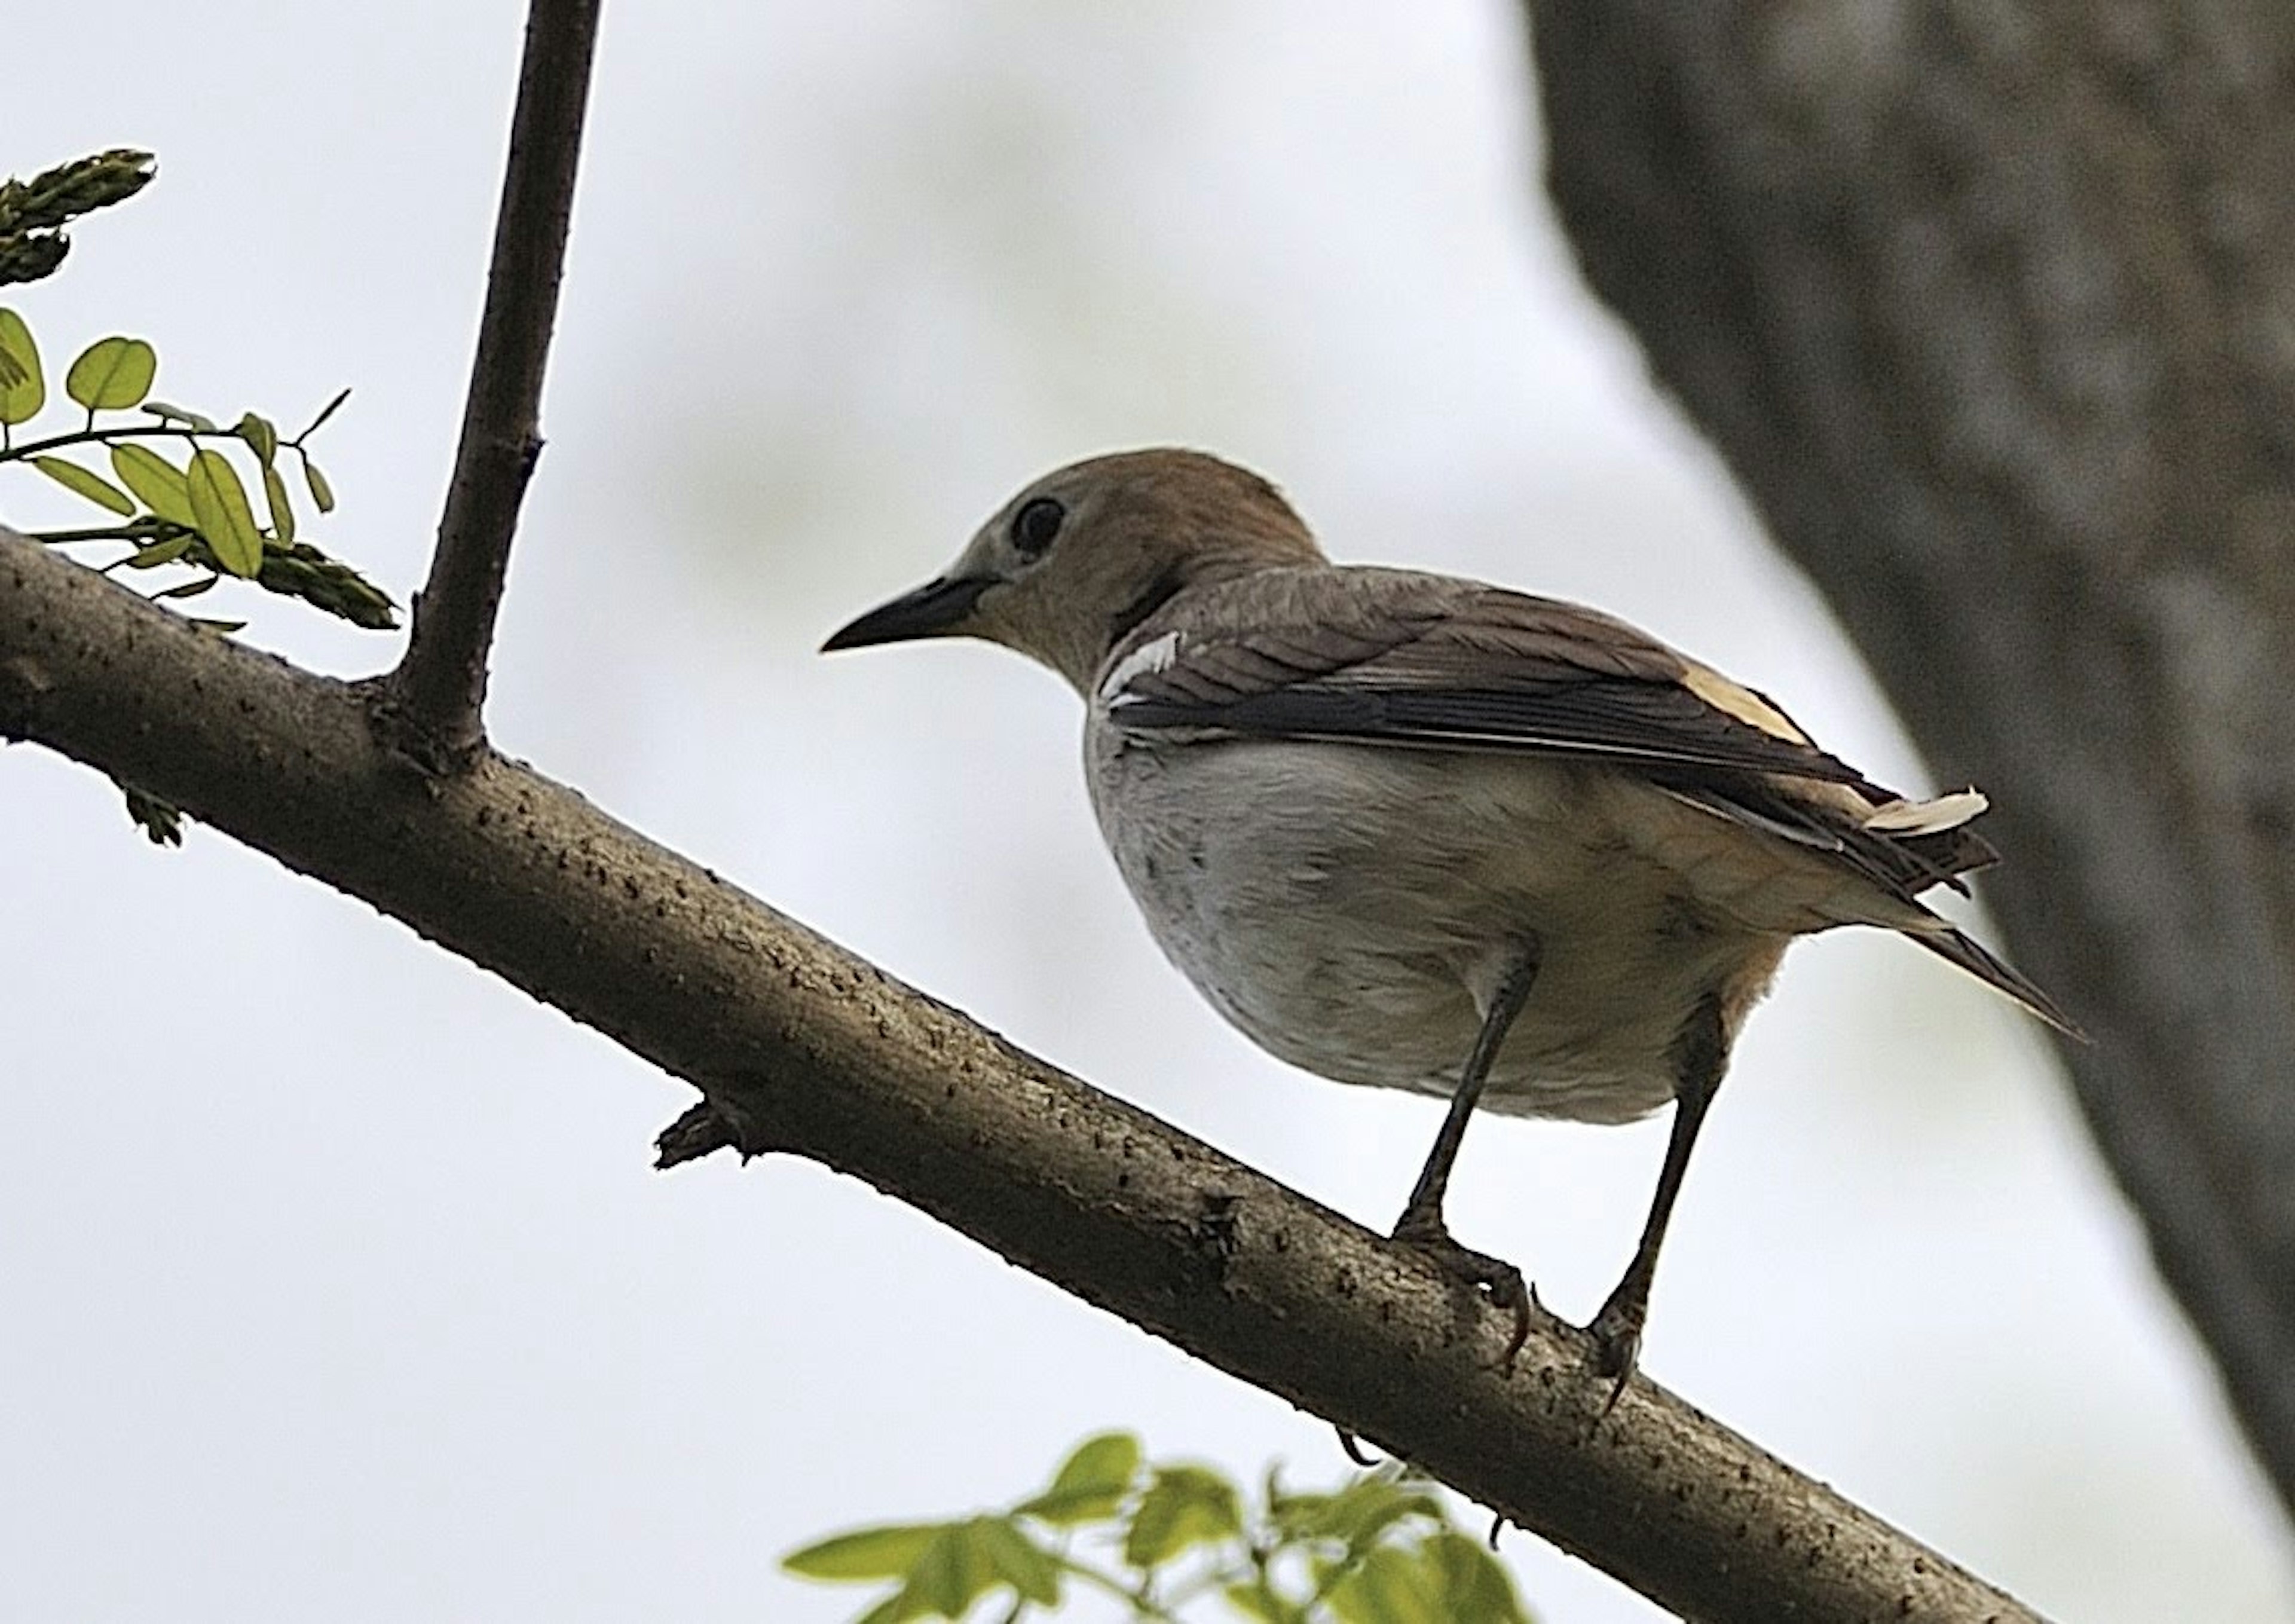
[(1495, 1278), (1617, 1335)]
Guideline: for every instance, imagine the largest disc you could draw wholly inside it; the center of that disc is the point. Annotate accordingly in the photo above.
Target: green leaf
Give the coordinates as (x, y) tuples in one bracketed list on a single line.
[(865, 1554), (1018, 1561), (260, 434), (283, 511), (1389, 1586), (219, 507), (1300, 1517), (86, 482), (323, 494), (160, 553), (1475, 1586), (159, 483), (1358, 1514), (113, 374), (167, 414), (1091, 1483), (898, 1608), (1255, 1601), (1183, 1507), (190, 589), (954, 1572), (25, 390)]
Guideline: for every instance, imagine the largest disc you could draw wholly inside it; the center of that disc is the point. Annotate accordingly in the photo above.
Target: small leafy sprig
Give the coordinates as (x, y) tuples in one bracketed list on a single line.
[(1382, 1549), (195, 514)]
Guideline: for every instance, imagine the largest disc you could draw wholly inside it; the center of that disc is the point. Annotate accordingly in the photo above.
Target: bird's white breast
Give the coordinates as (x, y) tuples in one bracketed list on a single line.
[(1353, 908)]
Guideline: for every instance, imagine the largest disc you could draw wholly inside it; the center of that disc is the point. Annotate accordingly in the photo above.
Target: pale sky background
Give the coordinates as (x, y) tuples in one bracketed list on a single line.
[(336, 1282)]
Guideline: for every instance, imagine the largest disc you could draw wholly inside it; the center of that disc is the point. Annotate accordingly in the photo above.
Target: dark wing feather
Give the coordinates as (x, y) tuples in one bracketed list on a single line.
[(1378, 656), (1903, 865), (1609, 722)]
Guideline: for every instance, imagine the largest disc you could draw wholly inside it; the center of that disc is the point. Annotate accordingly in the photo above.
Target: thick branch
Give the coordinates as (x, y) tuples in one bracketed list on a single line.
[(1985, 306), (803, 1048), (439, 688)]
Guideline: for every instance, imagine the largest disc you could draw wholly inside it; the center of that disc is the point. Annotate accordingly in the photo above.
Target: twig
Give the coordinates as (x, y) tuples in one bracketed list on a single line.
[(104, 436), (439, 689)]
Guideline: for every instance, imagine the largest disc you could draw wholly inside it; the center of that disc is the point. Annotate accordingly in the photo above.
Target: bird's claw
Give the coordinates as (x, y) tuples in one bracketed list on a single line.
[(1617, 1336), (1495, 1278)]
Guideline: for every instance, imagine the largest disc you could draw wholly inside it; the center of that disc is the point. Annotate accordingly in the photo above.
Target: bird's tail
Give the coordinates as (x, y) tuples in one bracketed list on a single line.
[(1956, 948)]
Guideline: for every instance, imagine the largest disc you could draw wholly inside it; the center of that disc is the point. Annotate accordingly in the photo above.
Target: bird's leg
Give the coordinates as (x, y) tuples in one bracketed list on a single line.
[(1701, 1054), (1421, 1225)]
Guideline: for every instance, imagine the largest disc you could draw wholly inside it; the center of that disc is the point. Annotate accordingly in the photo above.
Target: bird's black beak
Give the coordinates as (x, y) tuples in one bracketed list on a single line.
[(932, 610)]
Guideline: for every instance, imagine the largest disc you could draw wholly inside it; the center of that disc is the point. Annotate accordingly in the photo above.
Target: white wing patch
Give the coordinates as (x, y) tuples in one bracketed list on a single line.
[(1903, 817), (1736, 700), (1156, 654)]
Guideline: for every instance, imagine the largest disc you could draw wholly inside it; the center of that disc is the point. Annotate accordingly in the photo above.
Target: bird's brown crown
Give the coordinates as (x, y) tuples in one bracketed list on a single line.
[(1081, 557)]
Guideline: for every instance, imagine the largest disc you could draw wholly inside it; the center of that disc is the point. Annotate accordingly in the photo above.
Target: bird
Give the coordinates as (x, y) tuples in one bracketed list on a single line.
[(1415, 831)]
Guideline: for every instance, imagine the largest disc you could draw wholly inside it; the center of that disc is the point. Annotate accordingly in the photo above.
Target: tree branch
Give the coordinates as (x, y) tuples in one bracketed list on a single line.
[(1975, 300), (800, 1047), (439, 688)]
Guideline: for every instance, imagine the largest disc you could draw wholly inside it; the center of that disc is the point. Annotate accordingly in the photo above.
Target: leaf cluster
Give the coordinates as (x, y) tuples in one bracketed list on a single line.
[(1170, 1542), (191, 511), (194, 510)]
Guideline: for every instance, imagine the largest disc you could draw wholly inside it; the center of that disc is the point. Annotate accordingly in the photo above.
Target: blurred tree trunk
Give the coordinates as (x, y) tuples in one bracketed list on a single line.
[(1991, 308)]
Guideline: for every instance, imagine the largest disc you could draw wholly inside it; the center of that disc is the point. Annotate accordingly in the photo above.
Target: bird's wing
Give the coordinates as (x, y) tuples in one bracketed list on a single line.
[(1393, 657), (1404, 660)]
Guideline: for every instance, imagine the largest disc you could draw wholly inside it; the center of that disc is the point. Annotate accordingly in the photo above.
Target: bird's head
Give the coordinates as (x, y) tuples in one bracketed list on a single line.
[(1070, 565)]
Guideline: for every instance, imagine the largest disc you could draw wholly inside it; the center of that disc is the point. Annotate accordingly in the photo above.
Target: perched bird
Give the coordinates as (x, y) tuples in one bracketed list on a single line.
[(1415, 831)]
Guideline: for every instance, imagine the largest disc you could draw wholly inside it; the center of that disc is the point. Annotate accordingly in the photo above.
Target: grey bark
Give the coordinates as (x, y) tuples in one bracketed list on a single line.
[(1991, 308), (799, 1046), (439, 688)]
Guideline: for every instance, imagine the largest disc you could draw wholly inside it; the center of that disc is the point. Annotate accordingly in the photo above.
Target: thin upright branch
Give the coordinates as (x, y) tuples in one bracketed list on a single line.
[(439, 688), (799, 1046)]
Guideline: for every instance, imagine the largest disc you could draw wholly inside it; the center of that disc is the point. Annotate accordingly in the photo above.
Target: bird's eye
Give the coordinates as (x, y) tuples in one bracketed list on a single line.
[(1035, 525)]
